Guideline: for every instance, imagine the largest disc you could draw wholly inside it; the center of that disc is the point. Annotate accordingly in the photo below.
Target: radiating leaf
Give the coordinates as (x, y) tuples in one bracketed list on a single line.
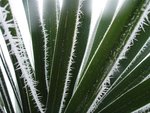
[(101, 26), (19, 57), (62, 52), (5, 94), (81, 35), (104, 56), (136, 76), (32, 13), (16, 93), (50, 22), (139, 95)]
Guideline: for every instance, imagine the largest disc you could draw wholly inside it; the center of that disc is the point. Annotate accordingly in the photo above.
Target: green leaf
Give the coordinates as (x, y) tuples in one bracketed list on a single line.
[(136, 76), (35, 26), (16, 93), (140, 42), (19, 57), (13, 58), (5, 95), (101, 26), (50, 25), (74, 73), (135, 50), (139, 95), (78, 49), (104, 57), (62, 52)]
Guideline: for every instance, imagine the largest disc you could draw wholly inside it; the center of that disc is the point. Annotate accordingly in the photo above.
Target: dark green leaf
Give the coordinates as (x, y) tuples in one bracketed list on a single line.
[(62, 52), (101, 26), (31, 7), (104, 57), (5, 94), (139, 95), (50, 25)]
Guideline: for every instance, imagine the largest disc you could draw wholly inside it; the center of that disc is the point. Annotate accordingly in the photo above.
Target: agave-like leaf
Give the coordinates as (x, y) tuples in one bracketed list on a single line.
[(5, 95), (139, 95), (101, 26), (17, 96), (50, 21), (105, 56), (21, 62), (65, 45), (20, 82), (106, 73), (10, 87), (81, 35), (136, 48), (136, 76), (38, 41)]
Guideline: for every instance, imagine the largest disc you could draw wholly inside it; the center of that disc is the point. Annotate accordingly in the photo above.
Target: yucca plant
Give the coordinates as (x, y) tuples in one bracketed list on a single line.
[(73, 72)]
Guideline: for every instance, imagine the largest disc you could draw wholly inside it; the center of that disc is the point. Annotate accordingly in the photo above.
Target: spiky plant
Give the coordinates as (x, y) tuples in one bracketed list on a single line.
[(107, 72)]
